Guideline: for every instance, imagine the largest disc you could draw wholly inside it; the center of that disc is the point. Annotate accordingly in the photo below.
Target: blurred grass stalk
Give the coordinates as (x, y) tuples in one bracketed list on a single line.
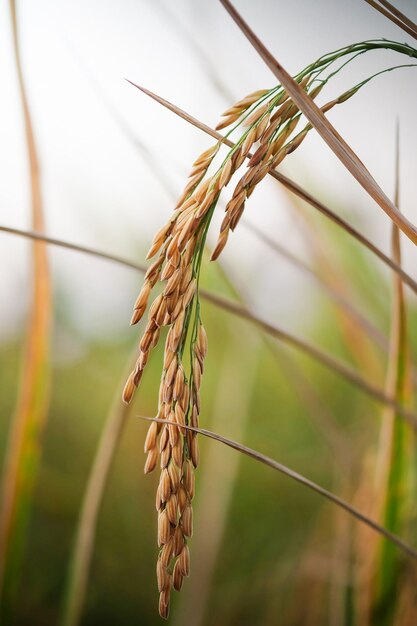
[(360, 339), (24, 443), (80, 562), (379, 594)]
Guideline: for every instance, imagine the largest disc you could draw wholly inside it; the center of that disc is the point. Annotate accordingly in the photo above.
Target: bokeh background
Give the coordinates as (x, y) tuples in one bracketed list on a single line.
[(113, 163)]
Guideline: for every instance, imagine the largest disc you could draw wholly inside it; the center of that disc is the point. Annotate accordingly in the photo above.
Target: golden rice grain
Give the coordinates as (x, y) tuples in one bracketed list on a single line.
[(165, 457), (189, 293), (261, 127), (179, 384), (173, 434), (150, 441), (177, 577), (172, 509), (174, 475), (207, 155), (221, 242), (165, 485), (158, 501), (177, 451), (195, 454), (162, 576), (225, 174), (184, 561), (151, 461), (251, 98), (178, 541), (227, 121), (164, 605), (167, 552), (182, 498), (129, 389), (256, 115), (164, 528), (187, 521)]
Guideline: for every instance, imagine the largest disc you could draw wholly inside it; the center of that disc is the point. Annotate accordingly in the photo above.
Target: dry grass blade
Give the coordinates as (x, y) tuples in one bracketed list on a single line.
[(355, 331), (313, 113), (242, 312), (61, 243), (24, 447), (258, 456), (325, 359), (291, 186), (324, 210), (316, 409), (395, 16), (77, 579), (339, 299), (372, 330), (394, 467), (399, 14)]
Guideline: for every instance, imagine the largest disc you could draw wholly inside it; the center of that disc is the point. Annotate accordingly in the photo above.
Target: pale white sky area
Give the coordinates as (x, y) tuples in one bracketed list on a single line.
[(100, 189)]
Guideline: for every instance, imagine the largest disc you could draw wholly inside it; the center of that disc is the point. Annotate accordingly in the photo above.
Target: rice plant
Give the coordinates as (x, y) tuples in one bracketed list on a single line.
[(264, 129)]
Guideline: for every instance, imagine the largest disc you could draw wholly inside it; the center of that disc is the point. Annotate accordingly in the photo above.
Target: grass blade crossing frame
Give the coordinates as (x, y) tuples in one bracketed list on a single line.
[(395, 462), (258, 456), (234, 308), (315, 116), (292, 186)]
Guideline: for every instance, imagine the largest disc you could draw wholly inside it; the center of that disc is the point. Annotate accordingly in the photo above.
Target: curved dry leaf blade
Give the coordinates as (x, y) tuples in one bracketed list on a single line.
[(395, 16), (327, 280), (324, 358), (30, 234), (355, 330), (291, 185), (333, 139), (258, 456), (395, 463)]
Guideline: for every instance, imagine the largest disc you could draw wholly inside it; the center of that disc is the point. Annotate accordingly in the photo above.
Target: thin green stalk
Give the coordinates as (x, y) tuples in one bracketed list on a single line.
[(395, 463)]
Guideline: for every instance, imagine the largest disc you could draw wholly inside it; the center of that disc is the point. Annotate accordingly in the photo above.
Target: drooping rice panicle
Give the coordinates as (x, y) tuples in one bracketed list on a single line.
[(266, 120)]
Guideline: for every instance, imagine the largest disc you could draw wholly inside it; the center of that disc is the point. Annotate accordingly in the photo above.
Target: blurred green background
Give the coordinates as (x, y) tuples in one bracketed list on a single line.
[(274, 542), (265, 550)]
